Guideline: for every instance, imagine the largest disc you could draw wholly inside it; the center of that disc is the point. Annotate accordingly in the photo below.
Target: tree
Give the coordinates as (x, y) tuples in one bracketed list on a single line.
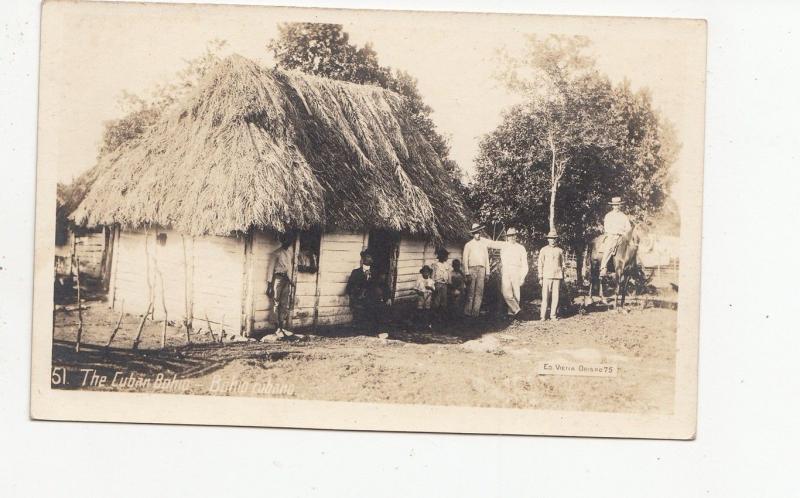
[(325, 50), (575, 141), (569, 100)]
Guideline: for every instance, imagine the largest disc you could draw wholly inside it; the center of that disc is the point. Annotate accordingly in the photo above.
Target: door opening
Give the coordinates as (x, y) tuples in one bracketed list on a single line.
[(383, 246)]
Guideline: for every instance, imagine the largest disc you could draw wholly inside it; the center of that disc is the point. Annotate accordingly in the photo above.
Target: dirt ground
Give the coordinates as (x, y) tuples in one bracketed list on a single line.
[(488, 363)]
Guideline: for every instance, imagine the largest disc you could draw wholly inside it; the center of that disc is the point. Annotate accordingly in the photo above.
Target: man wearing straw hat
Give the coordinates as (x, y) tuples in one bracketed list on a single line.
[(476, 261), (514, 259), (551, 273), (615, 225)]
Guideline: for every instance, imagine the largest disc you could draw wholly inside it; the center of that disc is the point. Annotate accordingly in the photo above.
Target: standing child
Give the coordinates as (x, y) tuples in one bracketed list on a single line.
[(424, 289), (458, 284), (441, 281)]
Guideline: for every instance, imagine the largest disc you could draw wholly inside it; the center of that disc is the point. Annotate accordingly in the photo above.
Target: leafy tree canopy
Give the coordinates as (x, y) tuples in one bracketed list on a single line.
[(575, 141)]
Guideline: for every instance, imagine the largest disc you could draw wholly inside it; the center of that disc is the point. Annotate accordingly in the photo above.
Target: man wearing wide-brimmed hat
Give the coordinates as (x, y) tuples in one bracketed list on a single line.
[(551, 273), (514, 259), (476, 261), (615, 225)]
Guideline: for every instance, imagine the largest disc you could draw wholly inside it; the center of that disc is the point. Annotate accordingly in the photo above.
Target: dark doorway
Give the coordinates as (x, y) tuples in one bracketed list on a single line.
[(383, 246)]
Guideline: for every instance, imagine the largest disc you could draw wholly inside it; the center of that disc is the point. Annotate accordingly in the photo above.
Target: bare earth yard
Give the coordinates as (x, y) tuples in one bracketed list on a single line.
[(487, 363)]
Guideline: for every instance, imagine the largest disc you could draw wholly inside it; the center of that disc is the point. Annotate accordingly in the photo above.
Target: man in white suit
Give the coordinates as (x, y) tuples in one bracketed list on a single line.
[(514, 259)]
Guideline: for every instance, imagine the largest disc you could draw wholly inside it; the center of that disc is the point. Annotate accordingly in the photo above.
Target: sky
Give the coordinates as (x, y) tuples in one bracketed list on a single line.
[(93, 52)]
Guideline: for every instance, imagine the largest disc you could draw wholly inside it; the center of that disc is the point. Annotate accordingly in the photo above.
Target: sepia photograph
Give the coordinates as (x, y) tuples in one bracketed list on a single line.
[(371, 220)]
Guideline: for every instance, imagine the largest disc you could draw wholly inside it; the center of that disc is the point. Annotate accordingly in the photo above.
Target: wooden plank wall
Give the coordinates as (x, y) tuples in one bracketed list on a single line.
[(89, 248), (456, 249), (217, 282), (321, 300), (211, 275), (413, 254)]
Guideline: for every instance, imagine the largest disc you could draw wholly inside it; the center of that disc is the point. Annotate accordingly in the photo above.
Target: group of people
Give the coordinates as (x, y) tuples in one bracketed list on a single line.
[(514, 269), (448, 289), (453, 288), (440, 289)]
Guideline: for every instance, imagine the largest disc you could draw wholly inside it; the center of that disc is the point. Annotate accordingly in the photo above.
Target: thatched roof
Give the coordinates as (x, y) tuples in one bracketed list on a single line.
[(265, 148)]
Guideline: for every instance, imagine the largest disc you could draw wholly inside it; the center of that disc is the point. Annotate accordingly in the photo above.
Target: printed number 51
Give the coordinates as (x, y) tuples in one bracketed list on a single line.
[(59, 376)]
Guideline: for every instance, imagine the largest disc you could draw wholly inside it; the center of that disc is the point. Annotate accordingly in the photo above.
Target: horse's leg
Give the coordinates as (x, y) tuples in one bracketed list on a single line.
[(600, 289)]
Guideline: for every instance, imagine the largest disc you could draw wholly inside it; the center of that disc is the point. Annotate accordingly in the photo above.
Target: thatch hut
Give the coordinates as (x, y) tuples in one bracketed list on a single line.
[(88, 245), (198, 203)]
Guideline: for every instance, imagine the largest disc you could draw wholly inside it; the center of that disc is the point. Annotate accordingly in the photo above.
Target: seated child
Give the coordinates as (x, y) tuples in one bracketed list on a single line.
[(424, 289)]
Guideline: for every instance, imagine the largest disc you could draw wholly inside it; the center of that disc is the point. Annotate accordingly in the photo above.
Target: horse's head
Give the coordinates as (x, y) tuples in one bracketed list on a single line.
[(635, 236)]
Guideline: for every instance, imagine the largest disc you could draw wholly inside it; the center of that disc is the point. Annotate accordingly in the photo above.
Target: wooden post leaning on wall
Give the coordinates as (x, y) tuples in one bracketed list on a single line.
[(150, 290), (293, 278), (188, 297), (149, 278), (80, 313), (395, 256), (164, 308), (316, 283), (248, 291), (107, 259), (114, 265)]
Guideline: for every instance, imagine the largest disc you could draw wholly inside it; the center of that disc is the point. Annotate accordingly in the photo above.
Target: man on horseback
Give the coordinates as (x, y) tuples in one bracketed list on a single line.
[(615, 225)]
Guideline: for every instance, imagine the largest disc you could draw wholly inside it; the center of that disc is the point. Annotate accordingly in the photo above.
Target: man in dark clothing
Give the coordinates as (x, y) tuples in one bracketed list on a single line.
[(368, 293)]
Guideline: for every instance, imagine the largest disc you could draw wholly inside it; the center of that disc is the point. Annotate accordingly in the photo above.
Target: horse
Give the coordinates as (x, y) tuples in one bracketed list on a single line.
[(624, 261)]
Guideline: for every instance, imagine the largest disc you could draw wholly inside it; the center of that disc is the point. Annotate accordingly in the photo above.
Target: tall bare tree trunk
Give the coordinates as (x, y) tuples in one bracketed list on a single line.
[(552, 219), (553, 183)]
